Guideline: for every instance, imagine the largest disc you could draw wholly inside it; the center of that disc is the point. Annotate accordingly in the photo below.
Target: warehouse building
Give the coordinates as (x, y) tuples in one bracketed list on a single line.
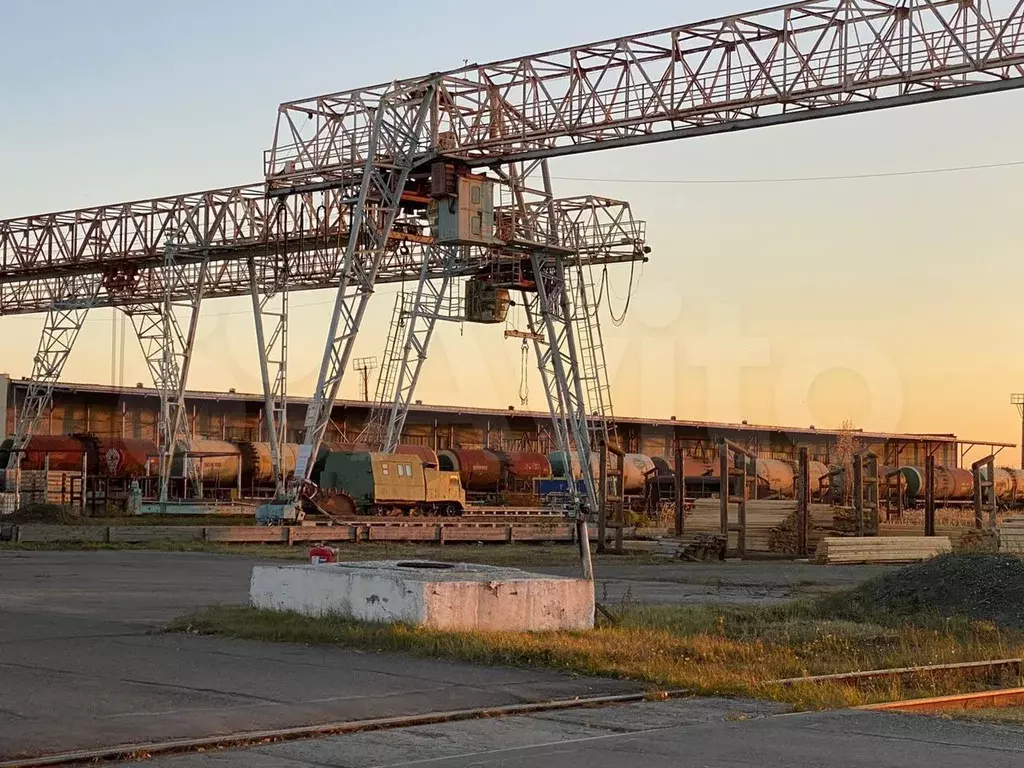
[(133, 412)]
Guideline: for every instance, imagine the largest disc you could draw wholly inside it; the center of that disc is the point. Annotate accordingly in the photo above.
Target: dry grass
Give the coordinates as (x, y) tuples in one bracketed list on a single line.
[(945, 517), (711, 650)]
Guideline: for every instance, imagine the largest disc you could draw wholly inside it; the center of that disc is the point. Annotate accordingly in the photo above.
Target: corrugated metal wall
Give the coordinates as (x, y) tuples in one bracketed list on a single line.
[(134, 415)]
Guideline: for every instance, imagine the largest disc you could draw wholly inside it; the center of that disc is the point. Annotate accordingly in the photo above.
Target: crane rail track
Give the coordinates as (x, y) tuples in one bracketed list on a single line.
[(1009, 697), (251, 738), (853, 678)]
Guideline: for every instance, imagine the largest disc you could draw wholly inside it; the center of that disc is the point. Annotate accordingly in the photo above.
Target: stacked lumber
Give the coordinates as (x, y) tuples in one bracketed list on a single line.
[(851, 550), (952, 532), (763, 516), (41, 487)]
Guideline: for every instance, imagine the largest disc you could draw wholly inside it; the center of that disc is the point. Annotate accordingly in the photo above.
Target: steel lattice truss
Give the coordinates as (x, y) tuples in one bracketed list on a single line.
[(789, 63), (125, 245), (795, 62)]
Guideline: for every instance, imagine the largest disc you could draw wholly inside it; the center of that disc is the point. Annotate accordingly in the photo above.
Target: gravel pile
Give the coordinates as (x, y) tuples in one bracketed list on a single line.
[(43, 513), (981, 587)]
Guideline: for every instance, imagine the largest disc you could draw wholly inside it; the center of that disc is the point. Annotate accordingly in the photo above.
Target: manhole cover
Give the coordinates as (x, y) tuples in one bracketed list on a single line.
[(428, 566)]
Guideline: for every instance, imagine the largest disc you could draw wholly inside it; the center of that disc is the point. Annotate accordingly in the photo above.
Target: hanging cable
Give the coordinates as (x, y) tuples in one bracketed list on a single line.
[(524, 381)]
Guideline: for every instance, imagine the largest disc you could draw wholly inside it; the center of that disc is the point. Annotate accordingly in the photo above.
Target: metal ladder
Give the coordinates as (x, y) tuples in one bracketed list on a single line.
[(590, 349), (375, 431)]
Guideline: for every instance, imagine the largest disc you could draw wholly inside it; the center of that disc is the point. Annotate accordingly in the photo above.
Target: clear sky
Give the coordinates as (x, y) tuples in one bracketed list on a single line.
[(892, 302)]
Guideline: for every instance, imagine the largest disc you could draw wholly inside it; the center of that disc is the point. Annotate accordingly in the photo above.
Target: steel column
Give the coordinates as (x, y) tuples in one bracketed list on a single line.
[(556, 316), (168, 355), (394, 139), (403, 362), (269, 290)]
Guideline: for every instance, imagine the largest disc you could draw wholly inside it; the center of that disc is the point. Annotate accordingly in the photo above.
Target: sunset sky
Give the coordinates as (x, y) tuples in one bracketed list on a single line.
[(892, 302)]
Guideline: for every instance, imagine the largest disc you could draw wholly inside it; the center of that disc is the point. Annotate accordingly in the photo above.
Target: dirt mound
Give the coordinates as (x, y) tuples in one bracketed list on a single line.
[(43, 513), (981, 587)]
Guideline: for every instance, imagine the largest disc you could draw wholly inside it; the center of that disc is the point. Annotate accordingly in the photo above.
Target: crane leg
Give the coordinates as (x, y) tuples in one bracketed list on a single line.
[(64, 320)]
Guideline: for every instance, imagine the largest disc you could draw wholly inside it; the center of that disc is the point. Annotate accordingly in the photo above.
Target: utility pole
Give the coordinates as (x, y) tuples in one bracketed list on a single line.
[(1018, 400), (364, 365)]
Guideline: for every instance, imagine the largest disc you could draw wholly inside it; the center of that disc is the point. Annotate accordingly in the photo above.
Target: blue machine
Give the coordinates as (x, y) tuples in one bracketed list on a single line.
[(276, 513), (556, 486)]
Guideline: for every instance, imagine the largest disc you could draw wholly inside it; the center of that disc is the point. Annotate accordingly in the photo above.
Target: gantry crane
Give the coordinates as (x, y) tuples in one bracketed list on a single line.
[(336, 207)]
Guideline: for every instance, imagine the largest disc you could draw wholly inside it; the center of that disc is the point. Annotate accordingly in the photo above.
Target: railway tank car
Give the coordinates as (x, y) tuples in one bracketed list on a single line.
[(359, 483), (497, 476), (521, 468), (119, 457), (218, 462), (258, 463), (778, 478), (1009, 485), (951, 484), (59, 453), (479, 470)]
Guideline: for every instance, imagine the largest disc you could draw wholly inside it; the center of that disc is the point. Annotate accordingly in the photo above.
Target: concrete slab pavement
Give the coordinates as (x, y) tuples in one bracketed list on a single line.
[(710, 732), (83, 661)]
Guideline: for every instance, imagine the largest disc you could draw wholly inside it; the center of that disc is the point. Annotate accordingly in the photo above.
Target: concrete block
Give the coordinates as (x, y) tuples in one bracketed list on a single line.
[(331, 533), (242, 534), (139, 534), (474, 535), (561, 533), (41, 534), (435, 595), (404, 533)]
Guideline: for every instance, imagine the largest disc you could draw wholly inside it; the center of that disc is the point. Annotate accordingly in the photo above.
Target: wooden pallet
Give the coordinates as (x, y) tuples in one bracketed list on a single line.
[(41, 487), (834, 551)]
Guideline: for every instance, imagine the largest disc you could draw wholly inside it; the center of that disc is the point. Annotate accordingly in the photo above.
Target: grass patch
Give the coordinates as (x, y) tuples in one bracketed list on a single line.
[(515, 555), (708, 650)]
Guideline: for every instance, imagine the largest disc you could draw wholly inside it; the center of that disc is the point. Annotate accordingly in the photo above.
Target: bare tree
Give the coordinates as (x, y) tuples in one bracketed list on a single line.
[(844, 448)]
